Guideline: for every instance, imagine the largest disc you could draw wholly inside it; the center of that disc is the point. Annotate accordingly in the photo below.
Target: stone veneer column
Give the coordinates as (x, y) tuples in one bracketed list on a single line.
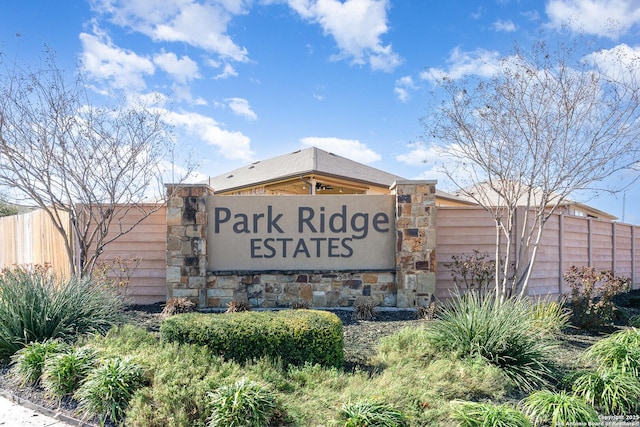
[(187, 241), (416, 242)]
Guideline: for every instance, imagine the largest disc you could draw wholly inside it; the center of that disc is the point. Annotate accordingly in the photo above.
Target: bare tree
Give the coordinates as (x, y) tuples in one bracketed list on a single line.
[(542, 127), (87, 165)]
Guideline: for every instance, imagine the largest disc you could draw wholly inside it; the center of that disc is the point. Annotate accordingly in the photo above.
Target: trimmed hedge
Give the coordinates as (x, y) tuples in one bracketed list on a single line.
[(294, 336)]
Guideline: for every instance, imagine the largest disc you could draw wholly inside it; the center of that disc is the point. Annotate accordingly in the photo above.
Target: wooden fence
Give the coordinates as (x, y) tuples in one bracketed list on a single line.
[(566, 241), (31, 239), (147, 241)]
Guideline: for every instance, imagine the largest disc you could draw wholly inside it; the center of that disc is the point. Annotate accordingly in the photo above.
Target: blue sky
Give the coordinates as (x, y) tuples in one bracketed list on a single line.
[(247, 80)]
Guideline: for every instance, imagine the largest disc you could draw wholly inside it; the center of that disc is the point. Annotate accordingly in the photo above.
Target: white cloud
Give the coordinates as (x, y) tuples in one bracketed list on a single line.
[(241, 107), (349, 148), (403, 88), (227, 71), (606, 18), (357, 27), (202, 25), (531, 15), (504, 26), (481, 62), (121, 67), (182, 70), (620, 63), (433, 161), (231, 145)]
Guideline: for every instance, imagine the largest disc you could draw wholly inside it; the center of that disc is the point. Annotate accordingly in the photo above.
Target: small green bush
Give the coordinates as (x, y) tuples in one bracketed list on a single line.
[(64, 372), (107, 390), (613, 392), (369, 413), (558, 409), (36, 306), (243, 404), (504, 334), (29, 361), (294, 336), (471, 414)]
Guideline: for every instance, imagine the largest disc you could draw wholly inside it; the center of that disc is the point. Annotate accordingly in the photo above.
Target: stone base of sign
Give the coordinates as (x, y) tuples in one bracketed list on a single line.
[(284, 290), (412, 284)]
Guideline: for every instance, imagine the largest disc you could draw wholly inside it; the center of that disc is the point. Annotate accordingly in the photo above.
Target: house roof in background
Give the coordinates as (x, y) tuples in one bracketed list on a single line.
[(486, 192), (299, 163)]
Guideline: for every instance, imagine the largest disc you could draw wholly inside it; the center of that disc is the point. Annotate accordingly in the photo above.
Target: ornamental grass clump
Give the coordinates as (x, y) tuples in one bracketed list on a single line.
[(472, 414), (64, 372), (243, 404), (545, 408), (370, 413), (28, 363), (107, 390), (619, 351), (610, 391), (35, 306), (504, 334)]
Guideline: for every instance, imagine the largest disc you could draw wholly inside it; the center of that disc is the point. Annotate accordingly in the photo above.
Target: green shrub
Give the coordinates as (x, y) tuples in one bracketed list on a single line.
[(369, 413), (613, 392), (471, 414), (619, 351), (63, 372), (503, 334), (558, 409), (294, 336), (107, 390), (29, 361), (243, 404), (592, 294), (36, 306)]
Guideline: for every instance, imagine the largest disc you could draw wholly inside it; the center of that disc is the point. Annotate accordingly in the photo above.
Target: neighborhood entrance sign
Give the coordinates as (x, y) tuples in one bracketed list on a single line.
[(294, 233)]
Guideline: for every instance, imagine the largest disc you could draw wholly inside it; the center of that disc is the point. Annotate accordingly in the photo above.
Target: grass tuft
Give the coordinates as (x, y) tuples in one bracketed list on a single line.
[(504, 334), (612, 392), (369, 413), (29, 361), (619, 351), (243, 404), (471, 414), (558, 409), (108, 389), (36, 306), (64, 372)]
